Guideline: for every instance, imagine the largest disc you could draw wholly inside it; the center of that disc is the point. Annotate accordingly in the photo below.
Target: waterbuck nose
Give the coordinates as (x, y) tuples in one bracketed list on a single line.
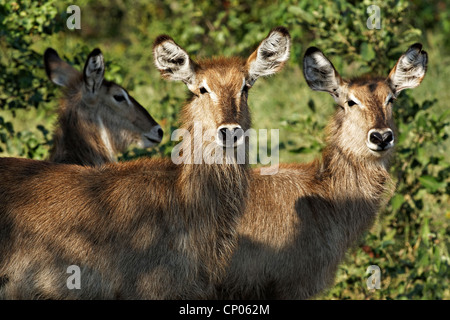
[(154, 135), (229, 135), (160, 133), (381, 139)]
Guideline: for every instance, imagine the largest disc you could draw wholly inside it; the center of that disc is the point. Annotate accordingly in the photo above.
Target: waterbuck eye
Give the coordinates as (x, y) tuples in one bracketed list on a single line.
[(391, 100), (351, 103), (203, 90), (119, 98)]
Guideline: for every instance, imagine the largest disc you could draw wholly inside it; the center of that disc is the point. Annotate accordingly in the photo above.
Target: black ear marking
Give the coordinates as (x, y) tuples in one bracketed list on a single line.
[(58, 71), (409, 70), (312, 50), (94, 70), (162, 38), (50, 55), (270, 56), (172, 61), (320, 73)]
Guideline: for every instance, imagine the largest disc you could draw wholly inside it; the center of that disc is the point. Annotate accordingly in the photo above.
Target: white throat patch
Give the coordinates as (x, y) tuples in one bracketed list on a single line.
[(105, 138)]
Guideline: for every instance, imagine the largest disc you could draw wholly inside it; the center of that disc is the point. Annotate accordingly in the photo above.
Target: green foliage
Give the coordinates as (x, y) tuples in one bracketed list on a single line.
[(21, 69), (342, 26), (23, 82), (20, 23), (410, 243), (24, 143)]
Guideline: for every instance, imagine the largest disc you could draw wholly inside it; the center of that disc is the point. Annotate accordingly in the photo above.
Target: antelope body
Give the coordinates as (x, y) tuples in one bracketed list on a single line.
[(299, 223), (142, 229), (97, 118)]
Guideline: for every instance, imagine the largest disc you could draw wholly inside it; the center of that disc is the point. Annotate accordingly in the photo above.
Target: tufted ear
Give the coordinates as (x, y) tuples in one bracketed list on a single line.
[(172, 61), (94, 71), (320, 73), (409, 70), (58, 71), (270, 56)]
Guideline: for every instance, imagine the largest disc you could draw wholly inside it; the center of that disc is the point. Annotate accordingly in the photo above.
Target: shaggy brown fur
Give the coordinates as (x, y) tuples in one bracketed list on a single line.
[(299, 223), (147, 229)]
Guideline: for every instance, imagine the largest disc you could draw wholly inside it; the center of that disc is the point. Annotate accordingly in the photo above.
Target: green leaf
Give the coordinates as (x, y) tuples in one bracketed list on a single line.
[(302, 14), (367, 52), (302, 150), (397, 201), (431, 184), (422, 156)]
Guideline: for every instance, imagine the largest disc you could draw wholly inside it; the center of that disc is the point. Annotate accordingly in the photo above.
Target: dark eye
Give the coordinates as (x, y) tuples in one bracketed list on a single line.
[(246, 87), (391, 100), (119, 98), (351, 103), (203, 90)]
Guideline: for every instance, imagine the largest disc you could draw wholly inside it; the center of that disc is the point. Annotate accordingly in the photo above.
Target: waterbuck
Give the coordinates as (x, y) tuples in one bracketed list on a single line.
[(145, 229), (97, 118), (299, 223)]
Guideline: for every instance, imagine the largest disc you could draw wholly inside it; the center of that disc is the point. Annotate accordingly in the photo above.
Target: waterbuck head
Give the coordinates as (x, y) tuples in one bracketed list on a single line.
[(220, 85), (120, 119), (364, 124)]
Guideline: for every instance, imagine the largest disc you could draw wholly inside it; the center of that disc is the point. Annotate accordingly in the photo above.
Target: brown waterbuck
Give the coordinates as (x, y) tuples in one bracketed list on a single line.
[(97, 118), (142, 229), (299, 223)]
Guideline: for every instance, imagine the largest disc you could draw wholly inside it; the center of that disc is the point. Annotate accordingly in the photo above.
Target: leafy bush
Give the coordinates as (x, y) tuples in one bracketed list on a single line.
[(21, 83)]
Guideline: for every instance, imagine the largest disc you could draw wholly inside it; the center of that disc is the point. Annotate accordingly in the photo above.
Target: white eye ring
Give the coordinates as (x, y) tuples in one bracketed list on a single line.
[(352, 101)]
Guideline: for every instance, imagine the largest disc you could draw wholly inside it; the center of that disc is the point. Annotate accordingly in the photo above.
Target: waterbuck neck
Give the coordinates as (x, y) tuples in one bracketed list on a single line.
[(212, 195), (357, 187), (77, 139)]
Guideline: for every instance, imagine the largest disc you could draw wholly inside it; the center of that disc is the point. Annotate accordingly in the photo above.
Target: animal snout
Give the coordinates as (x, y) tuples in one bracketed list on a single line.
[(155, 135), (230, 135), (380, 139), (160, 132)]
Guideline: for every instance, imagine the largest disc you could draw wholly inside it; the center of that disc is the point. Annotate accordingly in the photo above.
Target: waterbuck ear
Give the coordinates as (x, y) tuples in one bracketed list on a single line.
[(409, 70), (58, 71), (320, 73), (270, 56), (94, 71), (172, 61)]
